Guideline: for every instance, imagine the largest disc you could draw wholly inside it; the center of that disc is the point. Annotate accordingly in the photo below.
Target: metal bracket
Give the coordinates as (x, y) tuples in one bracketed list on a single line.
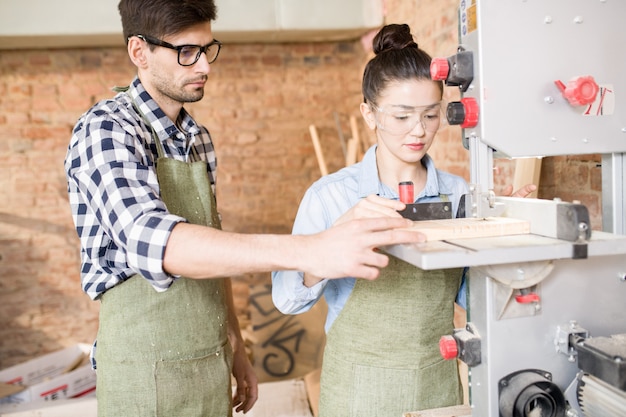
[(479, 204), (564, 343)]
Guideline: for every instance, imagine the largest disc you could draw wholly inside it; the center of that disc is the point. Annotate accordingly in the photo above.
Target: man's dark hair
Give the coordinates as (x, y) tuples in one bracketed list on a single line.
[(159, 18)]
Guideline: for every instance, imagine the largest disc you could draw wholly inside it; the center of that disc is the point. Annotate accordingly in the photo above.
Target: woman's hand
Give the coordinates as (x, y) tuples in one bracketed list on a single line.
[(525, 191), (372, 206)]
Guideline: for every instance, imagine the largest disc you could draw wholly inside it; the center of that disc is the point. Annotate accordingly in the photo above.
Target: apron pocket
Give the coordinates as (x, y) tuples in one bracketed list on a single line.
[(195, 387), (397, 391)]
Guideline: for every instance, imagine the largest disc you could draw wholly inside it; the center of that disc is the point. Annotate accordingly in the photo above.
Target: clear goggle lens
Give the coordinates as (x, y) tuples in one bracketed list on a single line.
[(400, 120)]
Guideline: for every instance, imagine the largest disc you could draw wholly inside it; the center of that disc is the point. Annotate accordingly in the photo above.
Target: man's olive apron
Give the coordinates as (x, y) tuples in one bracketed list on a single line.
[(167, 354), (382, 352)]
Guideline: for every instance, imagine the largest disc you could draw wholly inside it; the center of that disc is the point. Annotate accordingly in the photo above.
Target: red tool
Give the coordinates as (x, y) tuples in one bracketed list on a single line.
[(405, 189)]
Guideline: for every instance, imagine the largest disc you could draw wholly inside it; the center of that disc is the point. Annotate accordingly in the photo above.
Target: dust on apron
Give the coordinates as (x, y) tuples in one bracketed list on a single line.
[(167, 353), (382, 352)]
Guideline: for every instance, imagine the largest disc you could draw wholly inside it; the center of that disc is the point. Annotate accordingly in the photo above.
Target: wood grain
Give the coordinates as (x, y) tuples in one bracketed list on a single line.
[(448, 229)]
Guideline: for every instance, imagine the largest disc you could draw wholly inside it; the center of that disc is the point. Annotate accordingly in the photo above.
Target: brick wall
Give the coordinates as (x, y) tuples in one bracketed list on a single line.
[(259, 102)]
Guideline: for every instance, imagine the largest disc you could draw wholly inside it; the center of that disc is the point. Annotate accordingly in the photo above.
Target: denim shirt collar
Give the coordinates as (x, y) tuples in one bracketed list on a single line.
[(369, 182)]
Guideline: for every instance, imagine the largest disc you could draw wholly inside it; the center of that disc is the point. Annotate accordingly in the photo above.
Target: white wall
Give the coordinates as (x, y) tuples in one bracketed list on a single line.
[(70, 23)]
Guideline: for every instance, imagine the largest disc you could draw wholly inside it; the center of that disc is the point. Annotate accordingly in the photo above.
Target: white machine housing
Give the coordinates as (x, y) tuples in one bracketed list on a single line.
[(521, 49)]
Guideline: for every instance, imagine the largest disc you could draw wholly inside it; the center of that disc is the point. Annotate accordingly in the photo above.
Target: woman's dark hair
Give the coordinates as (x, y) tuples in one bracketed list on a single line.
[(397, 58), (159, 18)]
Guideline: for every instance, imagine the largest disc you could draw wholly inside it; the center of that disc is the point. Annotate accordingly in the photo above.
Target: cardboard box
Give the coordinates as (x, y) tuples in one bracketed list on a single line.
[(62, 374), (75, 407), (454, 411)]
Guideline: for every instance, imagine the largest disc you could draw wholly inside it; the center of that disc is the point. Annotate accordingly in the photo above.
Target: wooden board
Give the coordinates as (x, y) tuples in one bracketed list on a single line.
[(470, 228), (312, 384), (280, 399), (454, 411), (527, 171), (9, 389), (285, 346)]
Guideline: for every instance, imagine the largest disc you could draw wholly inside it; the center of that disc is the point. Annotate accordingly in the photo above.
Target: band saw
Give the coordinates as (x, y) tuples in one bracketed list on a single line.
[(546, 328)]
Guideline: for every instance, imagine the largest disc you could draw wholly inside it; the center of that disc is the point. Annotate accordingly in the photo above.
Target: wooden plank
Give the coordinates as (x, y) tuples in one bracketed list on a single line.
[(312, 384), (286, 398), (527, 171), (351, 153), (302, 337), (454, 411), (9, 389), (318, 150), (470, 228), (360, 148)]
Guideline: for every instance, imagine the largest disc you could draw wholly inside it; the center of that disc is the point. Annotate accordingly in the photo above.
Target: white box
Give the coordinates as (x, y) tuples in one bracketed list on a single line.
[(50, 377), (77, 407)]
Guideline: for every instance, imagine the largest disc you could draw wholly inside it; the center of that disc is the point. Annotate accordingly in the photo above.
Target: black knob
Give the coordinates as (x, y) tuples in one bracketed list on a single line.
[(455, 113)]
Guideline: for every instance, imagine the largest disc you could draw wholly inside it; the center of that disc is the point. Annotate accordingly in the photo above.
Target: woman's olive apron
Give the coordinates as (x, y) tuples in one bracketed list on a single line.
[(167, 353), (382, 352)]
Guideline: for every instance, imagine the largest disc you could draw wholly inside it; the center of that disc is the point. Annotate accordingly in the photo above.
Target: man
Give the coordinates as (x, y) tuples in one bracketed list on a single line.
[(141, 183)]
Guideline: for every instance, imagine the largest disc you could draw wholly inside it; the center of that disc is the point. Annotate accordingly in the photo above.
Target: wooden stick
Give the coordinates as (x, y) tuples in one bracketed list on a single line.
[(361, 146), (342, 140), (351, 153), (318, 150)]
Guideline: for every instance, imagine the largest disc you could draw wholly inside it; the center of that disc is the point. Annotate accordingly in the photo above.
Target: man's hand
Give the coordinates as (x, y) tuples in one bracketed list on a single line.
[(350, 249), (247, 386)]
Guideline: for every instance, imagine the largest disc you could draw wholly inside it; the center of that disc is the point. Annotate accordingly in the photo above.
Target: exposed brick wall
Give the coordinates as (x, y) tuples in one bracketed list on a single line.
[(259, 103), (260, 100), (42, 93)]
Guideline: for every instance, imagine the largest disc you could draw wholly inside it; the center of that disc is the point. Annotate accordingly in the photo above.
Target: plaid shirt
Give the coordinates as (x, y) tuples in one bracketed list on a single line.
[(122, 223)]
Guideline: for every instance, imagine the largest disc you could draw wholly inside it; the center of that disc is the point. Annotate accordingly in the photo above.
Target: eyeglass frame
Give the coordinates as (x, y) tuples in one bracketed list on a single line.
[(201, 49), (406, 108)]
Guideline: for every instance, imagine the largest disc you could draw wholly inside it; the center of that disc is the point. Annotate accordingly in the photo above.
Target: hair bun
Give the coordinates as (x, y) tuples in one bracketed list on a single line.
[(394, 36)]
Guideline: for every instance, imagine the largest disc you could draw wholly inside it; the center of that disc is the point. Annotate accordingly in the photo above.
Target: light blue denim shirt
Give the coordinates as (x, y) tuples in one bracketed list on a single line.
[(324, 202)]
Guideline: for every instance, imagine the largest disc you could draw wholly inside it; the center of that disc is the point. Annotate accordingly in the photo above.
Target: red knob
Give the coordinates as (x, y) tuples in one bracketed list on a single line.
[(471, 112), (439, 69), (448, 347), (579, 91)]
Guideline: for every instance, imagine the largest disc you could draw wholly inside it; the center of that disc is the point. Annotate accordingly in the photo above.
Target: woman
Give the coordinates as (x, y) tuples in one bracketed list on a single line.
[(381, 356)]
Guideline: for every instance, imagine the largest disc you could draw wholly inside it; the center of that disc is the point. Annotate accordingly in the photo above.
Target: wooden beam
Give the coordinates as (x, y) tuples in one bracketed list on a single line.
[(527, 171), (318, 150), (454, 411)]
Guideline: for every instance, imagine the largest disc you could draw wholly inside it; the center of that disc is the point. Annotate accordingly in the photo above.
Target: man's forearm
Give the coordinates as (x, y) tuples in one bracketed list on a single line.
[(346, 250), (234, 331), (202, 252)]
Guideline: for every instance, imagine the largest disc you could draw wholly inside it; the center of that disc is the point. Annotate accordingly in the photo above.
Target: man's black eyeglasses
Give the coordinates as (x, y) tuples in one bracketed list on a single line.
[(188, 54)]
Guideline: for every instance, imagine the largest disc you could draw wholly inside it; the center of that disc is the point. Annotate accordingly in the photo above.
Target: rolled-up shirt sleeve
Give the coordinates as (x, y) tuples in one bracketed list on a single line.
[(121, 220), (289, 293), (146, 248)]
